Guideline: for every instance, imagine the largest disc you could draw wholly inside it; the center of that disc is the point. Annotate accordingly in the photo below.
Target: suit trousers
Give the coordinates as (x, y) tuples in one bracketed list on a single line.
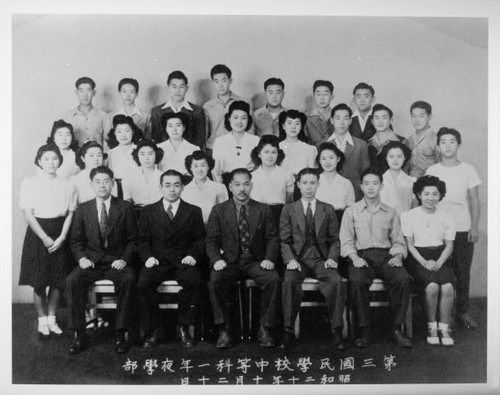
[(396, 279), (461, 260), (78, 282), (188, 277), (221, 287), (331, 287)]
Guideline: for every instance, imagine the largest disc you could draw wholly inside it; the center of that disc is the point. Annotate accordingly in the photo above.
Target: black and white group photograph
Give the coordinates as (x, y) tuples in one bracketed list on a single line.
[(259, 196)]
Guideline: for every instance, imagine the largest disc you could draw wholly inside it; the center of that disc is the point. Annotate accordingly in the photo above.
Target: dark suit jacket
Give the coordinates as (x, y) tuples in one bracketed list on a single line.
[(223, 233), (357, 160), (170, 241), (367, 133), (293, 230), (122, 232), (195, 132)]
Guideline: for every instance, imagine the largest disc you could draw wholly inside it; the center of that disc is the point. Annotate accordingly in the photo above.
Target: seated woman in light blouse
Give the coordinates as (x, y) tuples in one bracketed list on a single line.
[(142, 185), (202, 191), (429, 234)]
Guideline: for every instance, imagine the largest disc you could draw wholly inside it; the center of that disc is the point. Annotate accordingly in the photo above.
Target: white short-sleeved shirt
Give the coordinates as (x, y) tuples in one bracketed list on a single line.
[(398, 193), (272, 188), (339, 193), (121, 162), (228, 156), (173, 159), (68, 166), (83, 186), (298, 155), (458, 180), (205, 198), (142, 192), (49, 198), (428, 230)]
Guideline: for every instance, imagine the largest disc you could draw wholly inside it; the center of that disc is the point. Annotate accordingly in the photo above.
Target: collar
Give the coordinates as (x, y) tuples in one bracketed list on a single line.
[(185, 105), (135, 111), (364, 206), (238, 205), (76, 111), (107, 203), (357, 114), (175, 205), (347, 139), (232, 97), (305, 204)]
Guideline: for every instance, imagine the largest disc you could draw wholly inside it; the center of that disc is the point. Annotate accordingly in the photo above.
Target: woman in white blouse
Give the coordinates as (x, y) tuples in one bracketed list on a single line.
[(142, 185), (63, 136), (233, 150), (48, 202), (429, 233), (176, 148), (89, 156), (202, 191)]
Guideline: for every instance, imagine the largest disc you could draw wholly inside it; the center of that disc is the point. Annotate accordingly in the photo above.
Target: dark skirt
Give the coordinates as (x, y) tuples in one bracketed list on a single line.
[(423, 276), (39, 268)]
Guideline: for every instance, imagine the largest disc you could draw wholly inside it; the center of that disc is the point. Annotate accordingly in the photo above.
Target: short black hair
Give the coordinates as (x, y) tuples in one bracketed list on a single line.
[(331, 147), (428, 181), (85, 80), (147, 143), (292, 114), (319, 83), (172, 173), (238, 105), (422, 105), (121, 119), (198, 155), (101, 170), (363, 85), (82, 151), (51, 147), (239, 170), (373, 171), (177, 75), (274, 81), (340, 107), (443, 131), (220, 69), (59, 124), (129, 81), (382, 107), (305, 171), (267, 139), (385, 151), (179, 115)]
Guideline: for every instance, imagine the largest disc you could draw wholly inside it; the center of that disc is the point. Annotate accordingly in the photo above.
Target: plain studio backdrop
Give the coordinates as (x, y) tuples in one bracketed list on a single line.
[(440, 60)]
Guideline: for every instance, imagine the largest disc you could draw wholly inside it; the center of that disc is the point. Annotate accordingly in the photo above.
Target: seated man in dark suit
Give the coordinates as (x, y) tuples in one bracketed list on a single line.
[(309, 234), (103, 243), (170, 243), (242, 242)]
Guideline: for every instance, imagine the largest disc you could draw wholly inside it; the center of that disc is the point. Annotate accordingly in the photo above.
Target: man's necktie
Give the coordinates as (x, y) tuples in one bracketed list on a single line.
[(103, 223), (309, 224), (244, 233), (170, 213)]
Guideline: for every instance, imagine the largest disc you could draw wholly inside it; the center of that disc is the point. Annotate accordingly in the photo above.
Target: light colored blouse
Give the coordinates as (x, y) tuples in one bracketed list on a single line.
[(230, 155), (428, 230), (397, 193), (142, 191), (210, 194), (272, 188), (68, 166), (339, 193), (173, 159), (83, 186), (49, 198), (121, 162), (298, 155)]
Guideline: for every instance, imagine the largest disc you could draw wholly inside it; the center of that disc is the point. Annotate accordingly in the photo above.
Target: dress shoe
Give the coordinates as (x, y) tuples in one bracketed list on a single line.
[(150, 341), (224, 340), (468, 321), (121, 344), (400, 339), (79, 344), (363, 340), (184, 336), (265, 338), (287, 340), (338, 340)]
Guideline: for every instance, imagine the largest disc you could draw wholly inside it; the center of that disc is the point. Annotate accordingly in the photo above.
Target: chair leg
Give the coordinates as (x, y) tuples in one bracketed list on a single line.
[(240, 302), (92, 308), (296, 328), (409, 319), (345, 329), (250, 305)]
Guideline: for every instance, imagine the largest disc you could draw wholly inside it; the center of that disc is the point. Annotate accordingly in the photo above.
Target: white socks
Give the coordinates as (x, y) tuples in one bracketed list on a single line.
[(446, 339), (43, 328), (432, 333), (52, 325)]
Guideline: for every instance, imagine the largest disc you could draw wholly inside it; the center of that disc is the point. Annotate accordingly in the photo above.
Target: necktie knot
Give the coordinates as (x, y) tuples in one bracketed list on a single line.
[(170, 212)]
